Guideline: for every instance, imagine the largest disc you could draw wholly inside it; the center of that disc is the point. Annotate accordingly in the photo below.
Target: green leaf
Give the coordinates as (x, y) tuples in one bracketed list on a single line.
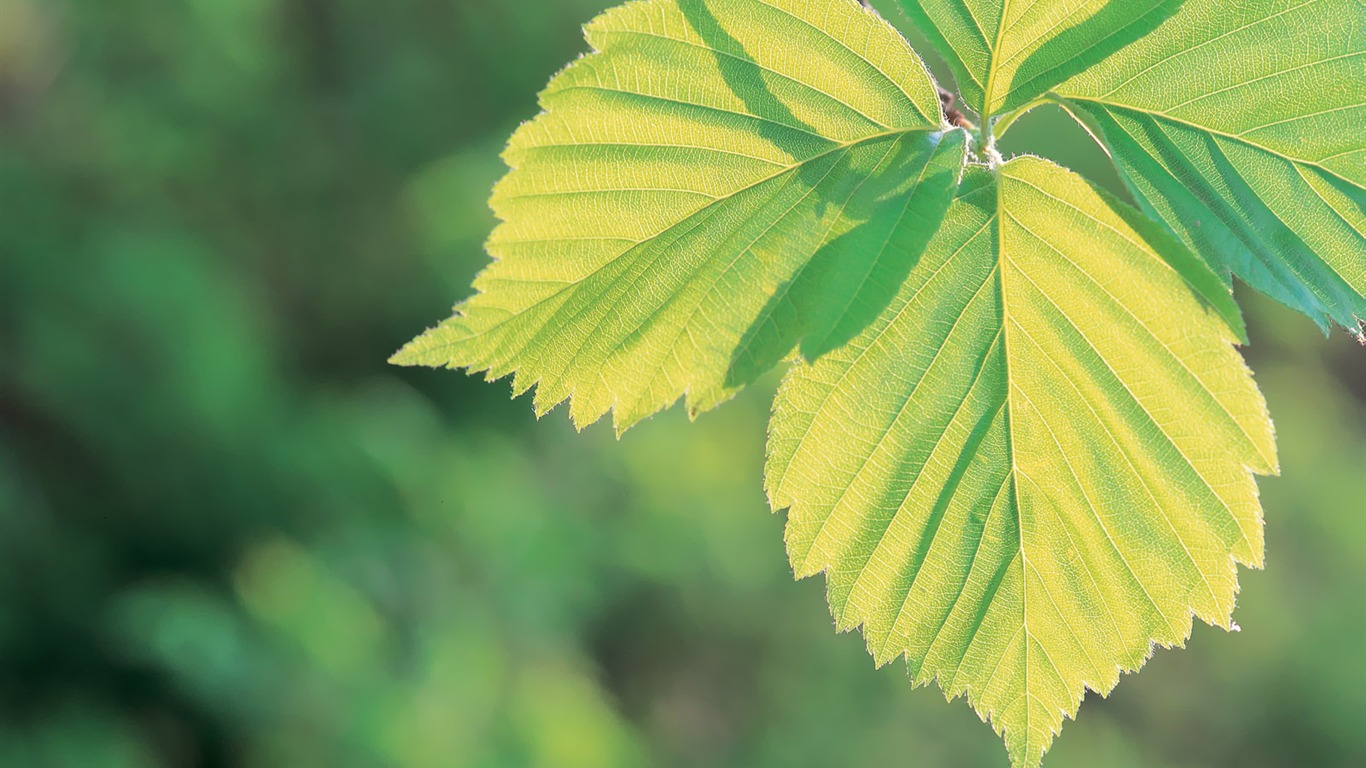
[(1034, 464), (1017, 438), (1005, 53), (717, 182), (1243, 127)]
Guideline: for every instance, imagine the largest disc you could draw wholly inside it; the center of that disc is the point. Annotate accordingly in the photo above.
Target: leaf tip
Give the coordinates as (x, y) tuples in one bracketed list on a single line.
[(620, 424), (420, 351), (405, 357)]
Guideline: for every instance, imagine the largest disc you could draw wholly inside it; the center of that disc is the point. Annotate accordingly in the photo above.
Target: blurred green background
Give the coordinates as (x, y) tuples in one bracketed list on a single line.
[(231, 535)]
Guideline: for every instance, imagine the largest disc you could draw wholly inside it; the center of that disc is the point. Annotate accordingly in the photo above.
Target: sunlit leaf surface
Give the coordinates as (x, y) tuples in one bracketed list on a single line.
[(1034, 464), (716, 182), (1004, 53), (1243, 127), (1017, 439)]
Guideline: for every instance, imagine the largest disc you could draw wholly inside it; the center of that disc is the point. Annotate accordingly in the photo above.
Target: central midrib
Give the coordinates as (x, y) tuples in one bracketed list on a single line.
[(988, 93)]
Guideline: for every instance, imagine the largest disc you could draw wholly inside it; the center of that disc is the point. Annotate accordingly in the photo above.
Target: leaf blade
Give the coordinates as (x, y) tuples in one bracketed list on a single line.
[(1259, 163), (1005, 54), (679, 176), (994, 474)]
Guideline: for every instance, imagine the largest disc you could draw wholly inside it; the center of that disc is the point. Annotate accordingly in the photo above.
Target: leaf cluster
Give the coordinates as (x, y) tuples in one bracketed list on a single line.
[(1015, 433)]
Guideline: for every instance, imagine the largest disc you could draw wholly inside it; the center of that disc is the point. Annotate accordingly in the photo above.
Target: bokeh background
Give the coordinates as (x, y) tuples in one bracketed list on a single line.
[(231, 535)]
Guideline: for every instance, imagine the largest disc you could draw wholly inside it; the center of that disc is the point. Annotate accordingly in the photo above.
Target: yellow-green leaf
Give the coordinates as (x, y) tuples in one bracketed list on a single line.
[(712, 170), (1006, 52), (1035, 464), (1243, 127), (1017, 438)]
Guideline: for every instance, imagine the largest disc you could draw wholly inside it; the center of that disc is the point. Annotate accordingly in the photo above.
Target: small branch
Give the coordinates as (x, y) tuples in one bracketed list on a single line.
[(954, 117)]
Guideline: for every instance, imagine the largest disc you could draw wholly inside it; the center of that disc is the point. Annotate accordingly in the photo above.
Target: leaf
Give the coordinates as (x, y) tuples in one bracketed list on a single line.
[(1004, 53), (1034, 464), (711, 170), (1017, 437), (1243, 127)]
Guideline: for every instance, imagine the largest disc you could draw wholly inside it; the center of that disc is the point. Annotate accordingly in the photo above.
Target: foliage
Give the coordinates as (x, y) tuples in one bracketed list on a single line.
[(1249, 149), (1016, 438), (232, 537)]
